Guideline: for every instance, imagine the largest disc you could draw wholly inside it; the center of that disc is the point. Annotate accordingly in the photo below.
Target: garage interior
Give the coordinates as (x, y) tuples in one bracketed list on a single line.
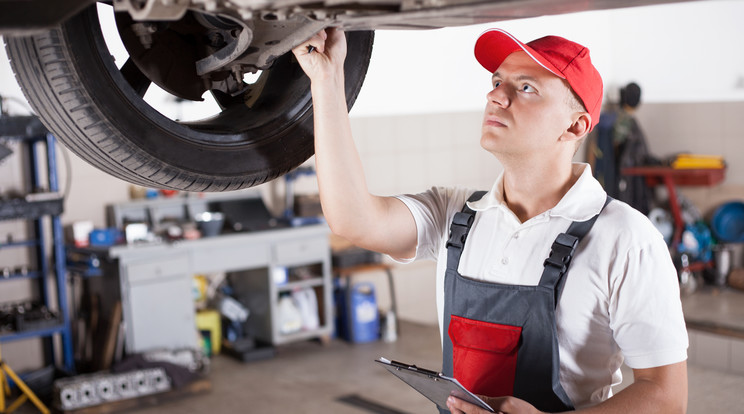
[(222, 312)]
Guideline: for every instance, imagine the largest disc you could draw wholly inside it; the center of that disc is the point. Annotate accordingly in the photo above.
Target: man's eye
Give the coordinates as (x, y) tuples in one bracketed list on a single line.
[(528, 88), (496, 84)]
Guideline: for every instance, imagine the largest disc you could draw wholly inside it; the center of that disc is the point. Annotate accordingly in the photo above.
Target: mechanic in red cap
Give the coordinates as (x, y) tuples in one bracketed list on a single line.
[(545, 285)]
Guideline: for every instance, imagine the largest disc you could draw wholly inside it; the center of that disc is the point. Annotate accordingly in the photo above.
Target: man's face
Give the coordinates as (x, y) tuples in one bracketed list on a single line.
[(527, 109)]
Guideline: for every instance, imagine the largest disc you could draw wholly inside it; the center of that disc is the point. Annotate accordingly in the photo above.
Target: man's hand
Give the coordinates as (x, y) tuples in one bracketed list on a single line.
[(322, 56), (502, 405)]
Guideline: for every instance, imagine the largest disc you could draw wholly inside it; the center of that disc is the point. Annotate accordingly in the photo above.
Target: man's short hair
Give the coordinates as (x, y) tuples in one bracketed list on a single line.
[(573, 100), (574, 103)]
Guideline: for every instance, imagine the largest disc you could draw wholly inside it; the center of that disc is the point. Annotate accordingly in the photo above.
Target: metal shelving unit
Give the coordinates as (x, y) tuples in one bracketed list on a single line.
[(35, 208)]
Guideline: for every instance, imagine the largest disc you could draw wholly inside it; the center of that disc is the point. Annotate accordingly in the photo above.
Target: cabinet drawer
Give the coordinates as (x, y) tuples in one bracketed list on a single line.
[(231, 258), (301, 251), (153, 270)]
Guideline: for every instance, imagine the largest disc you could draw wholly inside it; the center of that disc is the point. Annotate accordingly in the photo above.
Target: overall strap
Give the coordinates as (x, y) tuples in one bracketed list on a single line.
[(562, 251), (459, 230)]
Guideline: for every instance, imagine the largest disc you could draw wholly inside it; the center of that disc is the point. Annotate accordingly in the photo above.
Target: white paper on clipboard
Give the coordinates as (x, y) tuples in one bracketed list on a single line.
[(432, 385)]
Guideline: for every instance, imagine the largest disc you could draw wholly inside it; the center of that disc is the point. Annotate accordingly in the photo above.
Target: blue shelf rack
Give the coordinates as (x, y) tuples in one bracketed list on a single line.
[(31, 133)]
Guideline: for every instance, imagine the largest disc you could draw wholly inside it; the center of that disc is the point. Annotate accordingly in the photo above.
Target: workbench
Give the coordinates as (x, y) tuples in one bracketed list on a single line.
[(673, 177), (155, 283)]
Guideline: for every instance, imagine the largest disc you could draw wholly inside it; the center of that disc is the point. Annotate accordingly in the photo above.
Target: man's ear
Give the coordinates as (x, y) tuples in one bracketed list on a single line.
[(580, 127)]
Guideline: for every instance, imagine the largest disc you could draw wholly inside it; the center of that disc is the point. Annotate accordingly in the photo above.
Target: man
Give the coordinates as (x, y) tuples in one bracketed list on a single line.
[(631, 150), (620, 143), (503, 335)]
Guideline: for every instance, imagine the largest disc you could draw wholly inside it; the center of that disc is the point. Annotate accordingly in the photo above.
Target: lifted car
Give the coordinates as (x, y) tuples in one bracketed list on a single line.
[(206, 48)]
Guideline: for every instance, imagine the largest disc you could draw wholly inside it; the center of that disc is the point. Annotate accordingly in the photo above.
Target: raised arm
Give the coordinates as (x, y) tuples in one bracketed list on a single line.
[(382, 224)]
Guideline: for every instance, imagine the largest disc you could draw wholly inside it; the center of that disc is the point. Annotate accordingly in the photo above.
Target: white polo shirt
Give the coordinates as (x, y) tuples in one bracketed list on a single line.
[(621, 297)]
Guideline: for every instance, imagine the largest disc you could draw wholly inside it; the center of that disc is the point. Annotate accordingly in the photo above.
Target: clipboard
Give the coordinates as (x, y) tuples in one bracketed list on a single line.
[(431, 384)]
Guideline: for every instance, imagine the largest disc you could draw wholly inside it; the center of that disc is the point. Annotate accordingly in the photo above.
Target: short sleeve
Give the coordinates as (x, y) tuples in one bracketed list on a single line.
[(645, 308), (432, 211)]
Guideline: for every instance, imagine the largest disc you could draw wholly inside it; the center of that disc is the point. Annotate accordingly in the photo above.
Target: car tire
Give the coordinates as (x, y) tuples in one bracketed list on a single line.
[(72, 82)]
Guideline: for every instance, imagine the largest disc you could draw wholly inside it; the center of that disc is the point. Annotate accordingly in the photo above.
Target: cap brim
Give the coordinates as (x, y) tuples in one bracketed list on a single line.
[(494, 45)]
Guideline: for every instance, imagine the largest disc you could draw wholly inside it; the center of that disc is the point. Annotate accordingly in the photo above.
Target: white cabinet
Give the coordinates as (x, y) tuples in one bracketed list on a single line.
[(156, 283), (157, 304)]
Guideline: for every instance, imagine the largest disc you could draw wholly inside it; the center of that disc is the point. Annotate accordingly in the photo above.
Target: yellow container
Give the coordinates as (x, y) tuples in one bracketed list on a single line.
[(698, 161), (209, 320)]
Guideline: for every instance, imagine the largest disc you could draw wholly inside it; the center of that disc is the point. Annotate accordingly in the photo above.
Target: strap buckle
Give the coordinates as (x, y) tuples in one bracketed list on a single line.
[(457, 237), (562, 251), (459, 229)]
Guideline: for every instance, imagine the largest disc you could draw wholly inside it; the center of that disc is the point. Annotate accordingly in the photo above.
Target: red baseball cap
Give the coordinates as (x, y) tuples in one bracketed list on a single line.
[(566, 59)]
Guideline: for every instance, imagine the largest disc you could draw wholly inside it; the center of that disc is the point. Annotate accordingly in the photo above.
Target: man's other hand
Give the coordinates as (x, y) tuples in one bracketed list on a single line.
[(501, 405)]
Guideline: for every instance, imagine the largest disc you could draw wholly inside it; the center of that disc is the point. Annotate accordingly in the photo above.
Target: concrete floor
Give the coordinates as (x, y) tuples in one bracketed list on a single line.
[(310, 378)]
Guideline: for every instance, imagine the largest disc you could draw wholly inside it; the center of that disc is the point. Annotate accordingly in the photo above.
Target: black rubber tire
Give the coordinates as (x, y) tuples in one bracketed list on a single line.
[(71, 81)]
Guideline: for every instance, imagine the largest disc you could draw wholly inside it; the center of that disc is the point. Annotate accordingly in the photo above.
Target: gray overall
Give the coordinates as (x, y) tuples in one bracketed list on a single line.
[(501, 339)]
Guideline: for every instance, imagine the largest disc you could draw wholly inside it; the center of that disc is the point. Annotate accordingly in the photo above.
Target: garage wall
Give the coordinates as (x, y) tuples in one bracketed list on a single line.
[(715, 128)]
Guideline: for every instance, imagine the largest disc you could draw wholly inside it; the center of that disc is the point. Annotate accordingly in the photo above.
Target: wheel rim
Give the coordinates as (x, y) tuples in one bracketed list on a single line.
[(282, 103)]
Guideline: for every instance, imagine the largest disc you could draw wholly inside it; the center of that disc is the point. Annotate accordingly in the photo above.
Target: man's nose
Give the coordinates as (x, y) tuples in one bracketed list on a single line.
[(499, 95)]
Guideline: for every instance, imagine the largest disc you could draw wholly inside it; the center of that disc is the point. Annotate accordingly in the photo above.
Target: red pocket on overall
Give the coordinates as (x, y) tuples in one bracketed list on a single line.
[(484, 355)]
